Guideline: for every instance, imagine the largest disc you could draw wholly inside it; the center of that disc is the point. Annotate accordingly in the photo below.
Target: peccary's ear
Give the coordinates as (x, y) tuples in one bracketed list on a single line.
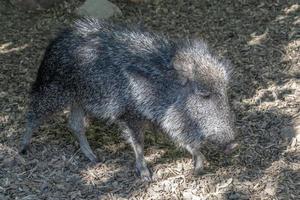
[(183, 71), (182, 79)]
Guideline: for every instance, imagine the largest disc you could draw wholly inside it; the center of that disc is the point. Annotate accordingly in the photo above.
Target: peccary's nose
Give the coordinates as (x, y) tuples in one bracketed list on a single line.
[(231, 147)]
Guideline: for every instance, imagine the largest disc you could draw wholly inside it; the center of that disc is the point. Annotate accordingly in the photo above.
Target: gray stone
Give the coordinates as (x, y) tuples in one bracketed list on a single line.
[(101, 9), (297, 128), (287, 133)]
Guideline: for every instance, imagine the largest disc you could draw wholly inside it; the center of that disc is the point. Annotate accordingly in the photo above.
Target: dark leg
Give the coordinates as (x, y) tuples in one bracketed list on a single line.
[(43, 103), (32, 124), (198, 159), (198, 163), (135, 135), (77, 124)]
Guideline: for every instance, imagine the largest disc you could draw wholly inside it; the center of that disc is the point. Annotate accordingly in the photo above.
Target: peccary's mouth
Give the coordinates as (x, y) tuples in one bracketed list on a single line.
[(230, 148)]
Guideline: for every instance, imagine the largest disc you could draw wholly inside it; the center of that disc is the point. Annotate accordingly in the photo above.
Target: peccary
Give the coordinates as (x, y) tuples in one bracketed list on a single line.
[(130, 77)]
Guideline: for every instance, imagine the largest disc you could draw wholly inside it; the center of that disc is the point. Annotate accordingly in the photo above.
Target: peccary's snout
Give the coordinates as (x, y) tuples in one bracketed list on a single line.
[(232, 144), (229, 144), (231, 147)]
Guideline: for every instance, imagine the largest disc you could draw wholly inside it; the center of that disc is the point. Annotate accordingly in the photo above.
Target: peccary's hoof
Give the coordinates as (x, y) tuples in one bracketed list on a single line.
[(94, 161), (198, 172), (91, 156), (144, 173), (24, 149), (95, 165)]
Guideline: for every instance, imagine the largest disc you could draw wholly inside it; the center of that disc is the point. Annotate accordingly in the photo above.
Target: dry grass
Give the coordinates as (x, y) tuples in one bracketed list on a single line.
[(262, 40)]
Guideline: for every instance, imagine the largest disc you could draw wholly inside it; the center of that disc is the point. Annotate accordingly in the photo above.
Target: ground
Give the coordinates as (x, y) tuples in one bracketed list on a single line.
[(260, 38)]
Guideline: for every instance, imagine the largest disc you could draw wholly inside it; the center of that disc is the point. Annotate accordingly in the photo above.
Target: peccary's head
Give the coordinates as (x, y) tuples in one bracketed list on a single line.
[(201, 113)]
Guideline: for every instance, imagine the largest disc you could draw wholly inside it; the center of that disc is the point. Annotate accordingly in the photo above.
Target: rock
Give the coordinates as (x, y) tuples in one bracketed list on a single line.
[(297, 128), (287, 133), (98, 8)]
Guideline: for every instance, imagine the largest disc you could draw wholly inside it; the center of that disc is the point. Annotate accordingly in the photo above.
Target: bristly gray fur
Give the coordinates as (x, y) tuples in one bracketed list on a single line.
[(128, 76)]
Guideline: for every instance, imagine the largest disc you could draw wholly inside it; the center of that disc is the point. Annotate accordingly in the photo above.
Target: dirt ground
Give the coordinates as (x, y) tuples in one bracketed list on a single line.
[(262, 40)]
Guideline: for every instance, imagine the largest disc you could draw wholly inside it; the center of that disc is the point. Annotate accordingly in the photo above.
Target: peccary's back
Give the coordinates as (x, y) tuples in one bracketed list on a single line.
[(93, 58), (92, 49)]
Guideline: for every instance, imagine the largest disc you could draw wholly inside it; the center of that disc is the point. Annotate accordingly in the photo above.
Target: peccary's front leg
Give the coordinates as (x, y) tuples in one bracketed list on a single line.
[(135, 135), (77, 123), (198, 159)]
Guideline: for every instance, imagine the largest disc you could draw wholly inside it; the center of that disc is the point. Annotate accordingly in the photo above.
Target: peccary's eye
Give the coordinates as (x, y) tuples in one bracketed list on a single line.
[(205, 94)]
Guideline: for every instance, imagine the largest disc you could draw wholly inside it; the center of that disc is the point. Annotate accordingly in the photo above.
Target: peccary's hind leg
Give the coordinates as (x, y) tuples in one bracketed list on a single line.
[(135, 135), (77, 124), (32, 124), (44, 101)]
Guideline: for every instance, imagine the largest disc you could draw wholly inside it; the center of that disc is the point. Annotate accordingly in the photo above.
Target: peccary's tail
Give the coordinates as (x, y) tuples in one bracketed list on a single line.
[(47, 70)]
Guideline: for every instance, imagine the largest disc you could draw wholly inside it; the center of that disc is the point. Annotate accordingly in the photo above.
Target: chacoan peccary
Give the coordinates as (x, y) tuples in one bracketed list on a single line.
[(130, 77)]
